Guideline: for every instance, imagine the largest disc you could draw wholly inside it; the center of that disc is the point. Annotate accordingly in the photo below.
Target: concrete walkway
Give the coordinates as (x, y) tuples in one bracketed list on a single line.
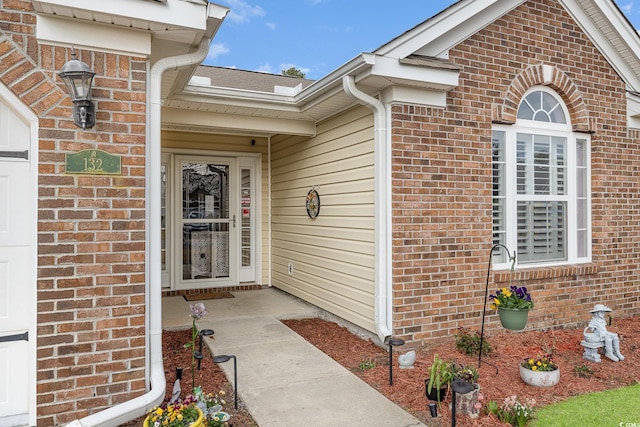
[(283, 380)]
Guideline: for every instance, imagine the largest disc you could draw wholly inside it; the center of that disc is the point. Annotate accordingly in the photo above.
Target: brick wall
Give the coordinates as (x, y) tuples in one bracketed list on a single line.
[(91, 230), (442, 218)]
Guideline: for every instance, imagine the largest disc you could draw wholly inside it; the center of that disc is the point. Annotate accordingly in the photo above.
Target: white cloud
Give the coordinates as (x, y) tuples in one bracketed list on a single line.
[(627, 8), (241, 12), (215, 50), (265, 68), (271, 25)]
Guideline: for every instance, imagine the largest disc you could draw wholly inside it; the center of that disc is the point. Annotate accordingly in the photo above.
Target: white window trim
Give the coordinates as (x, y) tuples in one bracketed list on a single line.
[(511, 196)]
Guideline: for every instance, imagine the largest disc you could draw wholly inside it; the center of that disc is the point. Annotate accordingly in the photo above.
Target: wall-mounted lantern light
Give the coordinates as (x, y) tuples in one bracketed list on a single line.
[(79, 77)]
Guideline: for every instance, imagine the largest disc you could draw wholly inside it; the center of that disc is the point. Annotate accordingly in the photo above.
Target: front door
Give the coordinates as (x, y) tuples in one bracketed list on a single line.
[(206, 225), (17, 263)]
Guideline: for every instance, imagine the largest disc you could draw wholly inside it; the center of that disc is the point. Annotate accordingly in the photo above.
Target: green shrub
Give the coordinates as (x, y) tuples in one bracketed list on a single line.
[(367, 364), (469, 343)]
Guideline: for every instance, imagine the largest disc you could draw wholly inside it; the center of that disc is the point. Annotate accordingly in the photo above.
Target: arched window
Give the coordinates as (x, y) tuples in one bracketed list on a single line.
[(541, 184)]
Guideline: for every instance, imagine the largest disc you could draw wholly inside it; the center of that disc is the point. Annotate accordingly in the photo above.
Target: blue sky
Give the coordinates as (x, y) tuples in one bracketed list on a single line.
[(318, 36)]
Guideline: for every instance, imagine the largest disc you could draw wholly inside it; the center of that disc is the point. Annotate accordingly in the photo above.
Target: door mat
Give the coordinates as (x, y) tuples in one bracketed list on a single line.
[(207, 295)]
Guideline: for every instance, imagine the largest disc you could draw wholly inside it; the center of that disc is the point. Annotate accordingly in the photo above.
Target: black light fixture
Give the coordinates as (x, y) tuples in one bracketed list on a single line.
[(458, 386), (198, 354), (79, 77), (225, 358), (393, 342)]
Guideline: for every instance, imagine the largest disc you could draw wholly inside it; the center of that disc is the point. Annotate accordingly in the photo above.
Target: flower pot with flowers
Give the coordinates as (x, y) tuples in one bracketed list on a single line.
[(540, 371), (196, 410), (513, 305), (181, 413)]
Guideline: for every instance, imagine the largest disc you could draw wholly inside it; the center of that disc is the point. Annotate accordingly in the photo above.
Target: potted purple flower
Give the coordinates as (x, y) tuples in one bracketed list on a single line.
[(513, 305)]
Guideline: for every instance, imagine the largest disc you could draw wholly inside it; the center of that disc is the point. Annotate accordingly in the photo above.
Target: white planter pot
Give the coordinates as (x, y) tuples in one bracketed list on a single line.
[(540, 378)]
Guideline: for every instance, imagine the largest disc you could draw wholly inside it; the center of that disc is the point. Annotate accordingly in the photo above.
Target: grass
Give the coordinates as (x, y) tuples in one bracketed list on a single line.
[(607, 408)]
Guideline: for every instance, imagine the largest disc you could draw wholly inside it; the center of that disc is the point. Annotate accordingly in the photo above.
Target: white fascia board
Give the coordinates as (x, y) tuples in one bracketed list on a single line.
[(261, 125), (92, 36), (173, 13), (413, 75), (619, 26), (237, 97), (415, 96), (633, 110), (327, 85), (438, 34)]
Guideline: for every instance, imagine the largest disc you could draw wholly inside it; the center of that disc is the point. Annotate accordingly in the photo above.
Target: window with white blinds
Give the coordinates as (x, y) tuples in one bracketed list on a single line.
[(541, 203)]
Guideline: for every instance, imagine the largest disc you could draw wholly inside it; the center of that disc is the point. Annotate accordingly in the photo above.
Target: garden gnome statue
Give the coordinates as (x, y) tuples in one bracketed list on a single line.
[(599, 334)]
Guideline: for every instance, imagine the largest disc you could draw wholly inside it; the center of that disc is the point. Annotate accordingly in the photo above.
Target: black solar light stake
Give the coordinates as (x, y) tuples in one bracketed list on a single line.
[(198, 355), (225, 358), (393, 342)]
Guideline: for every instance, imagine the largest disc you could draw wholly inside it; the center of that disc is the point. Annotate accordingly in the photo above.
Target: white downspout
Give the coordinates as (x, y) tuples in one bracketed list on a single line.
[(382, 184), (126, 411)]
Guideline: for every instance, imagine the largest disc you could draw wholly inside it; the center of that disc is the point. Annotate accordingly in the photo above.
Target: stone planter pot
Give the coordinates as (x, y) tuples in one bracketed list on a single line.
[(466, 403), (540, 378), (513, 318)]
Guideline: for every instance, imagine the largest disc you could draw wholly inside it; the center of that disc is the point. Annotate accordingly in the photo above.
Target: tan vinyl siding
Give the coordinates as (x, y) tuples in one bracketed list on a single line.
[(226, 145), (332, 255)]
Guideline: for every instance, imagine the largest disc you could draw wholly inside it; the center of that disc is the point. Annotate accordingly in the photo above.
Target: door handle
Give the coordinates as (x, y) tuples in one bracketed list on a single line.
[(15, 154), (17, 337), (234, 221)]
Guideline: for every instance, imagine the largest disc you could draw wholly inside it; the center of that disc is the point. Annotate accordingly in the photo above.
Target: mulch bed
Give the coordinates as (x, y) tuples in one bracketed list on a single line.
[(509, 348), (408, 390), (210, 377)]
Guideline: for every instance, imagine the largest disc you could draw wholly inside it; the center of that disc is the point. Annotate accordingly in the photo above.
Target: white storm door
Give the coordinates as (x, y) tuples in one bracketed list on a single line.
[(17, 269), (206, 221)]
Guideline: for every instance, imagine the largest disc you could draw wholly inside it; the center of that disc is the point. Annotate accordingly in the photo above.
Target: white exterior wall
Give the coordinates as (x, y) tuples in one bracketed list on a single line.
[(332, 255)]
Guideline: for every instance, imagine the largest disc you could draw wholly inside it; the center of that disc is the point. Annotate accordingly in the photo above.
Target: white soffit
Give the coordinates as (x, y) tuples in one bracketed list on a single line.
[(140, 14), (87, 35), (175, 118)]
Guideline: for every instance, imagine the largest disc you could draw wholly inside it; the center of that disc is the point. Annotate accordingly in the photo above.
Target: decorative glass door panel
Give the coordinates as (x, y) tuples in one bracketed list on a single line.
[(206, 220)]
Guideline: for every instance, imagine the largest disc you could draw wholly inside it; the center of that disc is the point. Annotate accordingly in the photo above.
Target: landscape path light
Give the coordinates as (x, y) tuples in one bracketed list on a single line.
[(225, 358), (393, 342)]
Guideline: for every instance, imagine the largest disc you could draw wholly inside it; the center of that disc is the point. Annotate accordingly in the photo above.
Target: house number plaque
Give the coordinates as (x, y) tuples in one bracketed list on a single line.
[(93, 162)]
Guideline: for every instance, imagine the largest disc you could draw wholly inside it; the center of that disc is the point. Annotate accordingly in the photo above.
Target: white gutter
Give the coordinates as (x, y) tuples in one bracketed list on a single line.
[(382, 184), (139, 406)]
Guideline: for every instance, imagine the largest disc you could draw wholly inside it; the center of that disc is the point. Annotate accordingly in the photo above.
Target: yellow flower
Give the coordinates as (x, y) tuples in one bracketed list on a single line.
[(159, 411), (534, 368), (494, 306), (496, 302), (180, 417), (531, 361)]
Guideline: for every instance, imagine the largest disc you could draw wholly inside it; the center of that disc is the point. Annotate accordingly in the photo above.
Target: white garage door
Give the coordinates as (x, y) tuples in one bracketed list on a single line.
[(17, 266)]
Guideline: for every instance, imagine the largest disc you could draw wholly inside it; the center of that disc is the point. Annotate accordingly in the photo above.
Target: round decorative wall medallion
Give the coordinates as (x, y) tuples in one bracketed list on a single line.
[(313, 203)]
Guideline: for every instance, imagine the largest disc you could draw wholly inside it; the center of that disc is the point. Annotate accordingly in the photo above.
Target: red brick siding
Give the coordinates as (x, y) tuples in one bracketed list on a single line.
[(91, 282), (442, 181)]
